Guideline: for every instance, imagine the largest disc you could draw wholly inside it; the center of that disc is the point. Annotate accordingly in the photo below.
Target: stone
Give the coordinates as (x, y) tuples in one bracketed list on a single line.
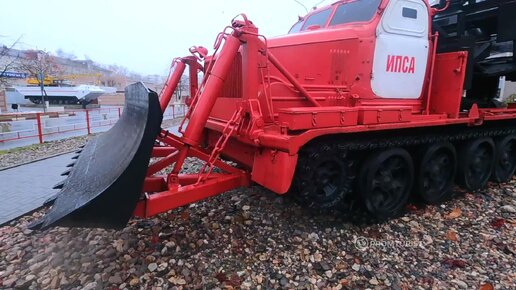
[(35, 267), (355, 267), (283, 281), (9, 282), (460, 283), (134, 282), (508, 208), (90, 286), (427, 239), (387, 282), (64, 281), (115, 279), (162, 267), (177, 281), (54, 283), (373, 281), (152, 267), (22, 284)]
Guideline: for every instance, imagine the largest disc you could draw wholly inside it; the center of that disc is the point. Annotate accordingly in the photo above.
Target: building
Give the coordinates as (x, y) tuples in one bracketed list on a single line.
[(74, 72)]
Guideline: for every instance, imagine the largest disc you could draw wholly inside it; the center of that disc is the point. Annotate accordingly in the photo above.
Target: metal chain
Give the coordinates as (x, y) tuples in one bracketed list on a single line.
[(230, 127)]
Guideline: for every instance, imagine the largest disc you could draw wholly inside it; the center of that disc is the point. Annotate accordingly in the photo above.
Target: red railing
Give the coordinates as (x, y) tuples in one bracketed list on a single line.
[(41, 125)]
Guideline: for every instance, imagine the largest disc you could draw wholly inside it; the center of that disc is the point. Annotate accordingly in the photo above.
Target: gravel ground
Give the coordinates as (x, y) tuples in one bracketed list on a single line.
[(252, 239), (25, 154)]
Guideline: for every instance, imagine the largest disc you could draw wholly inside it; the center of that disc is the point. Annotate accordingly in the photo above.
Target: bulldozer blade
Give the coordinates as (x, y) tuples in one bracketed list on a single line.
[(105, 184)]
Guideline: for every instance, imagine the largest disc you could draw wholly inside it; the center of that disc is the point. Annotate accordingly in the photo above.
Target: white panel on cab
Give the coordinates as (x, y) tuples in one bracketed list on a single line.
[(401, 52)]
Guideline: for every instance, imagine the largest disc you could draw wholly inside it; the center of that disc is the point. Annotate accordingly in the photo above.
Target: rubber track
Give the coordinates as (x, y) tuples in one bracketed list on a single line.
[(456, 134)]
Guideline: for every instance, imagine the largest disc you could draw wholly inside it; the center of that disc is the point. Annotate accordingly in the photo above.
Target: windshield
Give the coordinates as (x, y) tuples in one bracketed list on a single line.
[(357, 11), (317, 19), (296, 27)]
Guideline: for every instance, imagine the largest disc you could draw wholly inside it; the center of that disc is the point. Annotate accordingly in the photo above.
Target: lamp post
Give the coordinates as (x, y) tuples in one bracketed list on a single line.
[(41, 80)]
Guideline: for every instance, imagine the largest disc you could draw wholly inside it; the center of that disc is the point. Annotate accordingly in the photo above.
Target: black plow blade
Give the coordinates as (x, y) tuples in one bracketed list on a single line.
[(105, 184)]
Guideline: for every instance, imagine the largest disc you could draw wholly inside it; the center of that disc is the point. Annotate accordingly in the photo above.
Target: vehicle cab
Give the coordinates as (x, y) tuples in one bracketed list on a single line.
[(373, 49)]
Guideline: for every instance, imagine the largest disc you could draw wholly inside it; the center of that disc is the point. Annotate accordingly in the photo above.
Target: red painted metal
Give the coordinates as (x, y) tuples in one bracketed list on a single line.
[(176, 71), (40, 130), (292, 79), (193, 73), (215, 81), (435, 39), (88, 126), (261, 100), (448, 87), (187, 193)]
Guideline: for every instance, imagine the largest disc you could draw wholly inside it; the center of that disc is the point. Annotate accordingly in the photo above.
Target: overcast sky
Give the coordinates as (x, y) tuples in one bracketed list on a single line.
[(141, 35)]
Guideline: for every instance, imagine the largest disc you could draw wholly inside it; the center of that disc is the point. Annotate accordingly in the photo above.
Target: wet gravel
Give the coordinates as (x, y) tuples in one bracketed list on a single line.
[(30, 153), (253, 239)]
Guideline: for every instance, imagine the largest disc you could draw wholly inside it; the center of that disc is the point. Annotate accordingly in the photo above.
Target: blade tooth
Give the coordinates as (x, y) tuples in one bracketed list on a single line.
[(67, 172), (71, 164), (50, 200), (78, 151), (82, 146), (59, 185), (75, 157)]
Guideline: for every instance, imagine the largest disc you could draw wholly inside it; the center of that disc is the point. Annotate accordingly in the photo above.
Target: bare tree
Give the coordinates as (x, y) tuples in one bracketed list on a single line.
[(39, 63), (8, 61)]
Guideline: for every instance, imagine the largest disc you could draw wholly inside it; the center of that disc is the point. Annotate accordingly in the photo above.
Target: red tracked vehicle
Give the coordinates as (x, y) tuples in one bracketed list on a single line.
[(364, 102)]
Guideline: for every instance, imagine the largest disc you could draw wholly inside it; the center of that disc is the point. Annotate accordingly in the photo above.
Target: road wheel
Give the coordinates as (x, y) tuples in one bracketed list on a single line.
[(324, 177), (436, 173), (476, 162), (505, 162), (385, 182)]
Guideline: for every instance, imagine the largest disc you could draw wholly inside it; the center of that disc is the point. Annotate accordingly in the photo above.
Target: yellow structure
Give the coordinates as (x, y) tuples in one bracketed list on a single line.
[(69, 79)]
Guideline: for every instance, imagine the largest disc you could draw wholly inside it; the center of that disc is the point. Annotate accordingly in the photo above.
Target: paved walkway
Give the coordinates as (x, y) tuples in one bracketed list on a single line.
[(27, 187)]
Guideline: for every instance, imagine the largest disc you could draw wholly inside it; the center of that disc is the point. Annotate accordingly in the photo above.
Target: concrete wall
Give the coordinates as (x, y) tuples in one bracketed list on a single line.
[(117, 99)]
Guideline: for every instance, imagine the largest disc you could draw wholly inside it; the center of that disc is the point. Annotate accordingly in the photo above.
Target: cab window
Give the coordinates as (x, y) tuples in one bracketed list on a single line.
[(356, 11), (296, 27), (319, 18)]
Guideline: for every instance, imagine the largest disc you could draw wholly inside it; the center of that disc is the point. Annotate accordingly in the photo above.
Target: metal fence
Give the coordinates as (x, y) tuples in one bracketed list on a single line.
[(31, 128)]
